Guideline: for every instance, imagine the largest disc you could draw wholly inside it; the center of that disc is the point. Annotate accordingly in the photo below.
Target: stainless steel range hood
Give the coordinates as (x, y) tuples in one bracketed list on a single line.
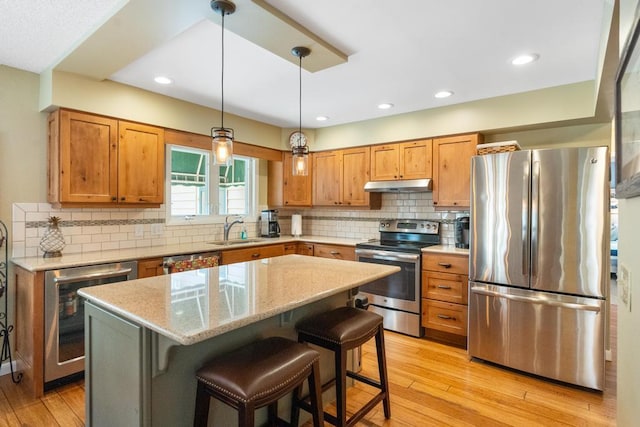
[(403, 186)]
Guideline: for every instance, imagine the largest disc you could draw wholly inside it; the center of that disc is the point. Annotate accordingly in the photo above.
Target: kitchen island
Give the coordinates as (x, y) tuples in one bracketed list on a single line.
[(146, 338)]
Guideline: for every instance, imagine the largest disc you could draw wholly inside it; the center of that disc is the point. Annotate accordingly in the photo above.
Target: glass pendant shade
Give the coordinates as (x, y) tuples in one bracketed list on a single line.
[(222, 138), (222, 146), (299, 162), (300, 151)]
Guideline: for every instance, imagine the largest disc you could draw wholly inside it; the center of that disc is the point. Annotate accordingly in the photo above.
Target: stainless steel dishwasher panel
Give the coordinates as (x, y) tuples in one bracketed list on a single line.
[(551, 335), (64, 313)]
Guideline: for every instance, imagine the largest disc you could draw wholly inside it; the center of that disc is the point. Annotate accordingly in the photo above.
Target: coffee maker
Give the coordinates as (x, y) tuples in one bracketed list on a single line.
[(462, 232), (269, 226)]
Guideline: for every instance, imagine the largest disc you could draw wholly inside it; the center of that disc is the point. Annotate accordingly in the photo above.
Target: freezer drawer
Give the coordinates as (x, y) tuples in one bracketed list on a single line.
[(554, 336)]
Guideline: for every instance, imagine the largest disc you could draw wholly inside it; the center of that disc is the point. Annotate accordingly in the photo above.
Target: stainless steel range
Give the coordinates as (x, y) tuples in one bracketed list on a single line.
[(397, 297)]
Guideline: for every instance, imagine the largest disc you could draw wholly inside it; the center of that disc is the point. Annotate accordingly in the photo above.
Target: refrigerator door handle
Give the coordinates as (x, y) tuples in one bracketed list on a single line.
[(533, 300), (535, 214), (525, 220)]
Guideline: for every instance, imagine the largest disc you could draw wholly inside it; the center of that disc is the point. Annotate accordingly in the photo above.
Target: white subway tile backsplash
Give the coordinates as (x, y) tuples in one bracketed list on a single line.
[(96, 229)]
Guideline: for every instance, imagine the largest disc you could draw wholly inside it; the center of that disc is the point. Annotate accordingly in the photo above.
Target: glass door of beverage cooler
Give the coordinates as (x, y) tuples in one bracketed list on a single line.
[(64, 313)]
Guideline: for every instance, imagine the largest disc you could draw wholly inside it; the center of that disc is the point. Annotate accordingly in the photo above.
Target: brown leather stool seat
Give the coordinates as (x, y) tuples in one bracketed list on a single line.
[(340, 330), (257, 375)]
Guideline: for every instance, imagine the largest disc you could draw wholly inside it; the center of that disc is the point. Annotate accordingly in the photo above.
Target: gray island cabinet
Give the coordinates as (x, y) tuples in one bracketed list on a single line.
[(146, 338)]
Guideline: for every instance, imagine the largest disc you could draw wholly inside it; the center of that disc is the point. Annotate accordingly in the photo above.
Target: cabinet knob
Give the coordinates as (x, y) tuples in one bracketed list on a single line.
[(255, 255), (114, 199), (401, 176), (435, 203), (123, 198)]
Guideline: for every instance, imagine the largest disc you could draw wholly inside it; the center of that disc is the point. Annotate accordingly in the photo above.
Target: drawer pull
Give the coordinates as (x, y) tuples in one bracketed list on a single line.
[(335, 252), (444, 316), (444, 264), (255, 255), (443, 287)]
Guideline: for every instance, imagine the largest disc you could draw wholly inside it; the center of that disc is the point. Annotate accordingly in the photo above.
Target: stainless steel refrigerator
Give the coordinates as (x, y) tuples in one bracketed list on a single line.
[(538, 262)]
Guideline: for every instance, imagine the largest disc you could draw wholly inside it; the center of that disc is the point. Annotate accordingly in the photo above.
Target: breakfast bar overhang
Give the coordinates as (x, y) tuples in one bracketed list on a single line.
[(146, 338)]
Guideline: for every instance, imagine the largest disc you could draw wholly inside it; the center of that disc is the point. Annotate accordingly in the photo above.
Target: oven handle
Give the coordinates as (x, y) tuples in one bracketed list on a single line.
[(386, 255), (105, 274)]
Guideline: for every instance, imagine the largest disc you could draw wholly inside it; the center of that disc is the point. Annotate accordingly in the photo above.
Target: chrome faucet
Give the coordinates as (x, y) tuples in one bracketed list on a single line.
[(228, 225)]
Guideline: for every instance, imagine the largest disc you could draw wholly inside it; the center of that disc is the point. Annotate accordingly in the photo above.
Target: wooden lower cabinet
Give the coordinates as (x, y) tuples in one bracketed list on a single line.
[(232, 256), (445, 296), (300, 248), (347, 253), (150, 267)]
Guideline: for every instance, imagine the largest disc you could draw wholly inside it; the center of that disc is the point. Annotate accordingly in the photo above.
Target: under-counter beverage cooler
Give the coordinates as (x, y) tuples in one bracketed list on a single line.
[(64, 313)]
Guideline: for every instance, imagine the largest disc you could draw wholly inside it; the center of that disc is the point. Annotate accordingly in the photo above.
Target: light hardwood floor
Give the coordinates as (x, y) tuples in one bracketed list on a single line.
[(432, 384)]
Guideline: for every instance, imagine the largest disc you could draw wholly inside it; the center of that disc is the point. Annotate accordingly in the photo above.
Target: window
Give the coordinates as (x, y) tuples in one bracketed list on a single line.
[(201, 192)]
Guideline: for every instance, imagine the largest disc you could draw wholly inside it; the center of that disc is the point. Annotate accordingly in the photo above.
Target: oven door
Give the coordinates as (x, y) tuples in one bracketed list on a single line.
[(399, 291)]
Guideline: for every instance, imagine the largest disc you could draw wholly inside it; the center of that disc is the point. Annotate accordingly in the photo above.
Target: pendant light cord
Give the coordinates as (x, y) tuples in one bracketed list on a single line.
[(222, 78), (300, 98)]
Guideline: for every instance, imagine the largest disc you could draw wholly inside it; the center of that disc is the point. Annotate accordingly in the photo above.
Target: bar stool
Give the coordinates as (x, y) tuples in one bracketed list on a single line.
[(258, 375), (340, 330)]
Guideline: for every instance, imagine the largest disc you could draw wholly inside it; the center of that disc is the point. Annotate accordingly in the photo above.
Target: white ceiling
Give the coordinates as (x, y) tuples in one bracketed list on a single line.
[(399, 52)]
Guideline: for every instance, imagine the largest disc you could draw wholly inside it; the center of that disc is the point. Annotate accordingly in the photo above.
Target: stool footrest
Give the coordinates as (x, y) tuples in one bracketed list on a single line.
[(364, 379)]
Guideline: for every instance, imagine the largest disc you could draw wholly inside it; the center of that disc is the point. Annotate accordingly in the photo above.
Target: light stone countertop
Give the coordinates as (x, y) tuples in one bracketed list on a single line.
[(34, 264), (193, 306), (445, 249)]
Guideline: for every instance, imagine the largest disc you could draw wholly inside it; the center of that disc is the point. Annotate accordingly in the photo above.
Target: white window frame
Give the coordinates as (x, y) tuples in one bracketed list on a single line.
[(252, 192)]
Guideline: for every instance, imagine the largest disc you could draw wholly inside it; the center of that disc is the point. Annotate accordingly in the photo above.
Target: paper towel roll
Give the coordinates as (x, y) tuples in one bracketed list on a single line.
[(296, 225)]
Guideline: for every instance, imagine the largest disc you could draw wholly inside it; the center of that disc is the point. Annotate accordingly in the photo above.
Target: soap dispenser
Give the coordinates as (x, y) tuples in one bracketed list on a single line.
[(243, 233)]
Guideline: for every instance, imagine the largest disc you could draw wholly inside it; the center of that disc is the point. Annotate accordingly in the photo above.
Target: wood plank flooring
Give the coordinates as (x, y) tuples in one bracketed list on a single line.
[(432, 384)]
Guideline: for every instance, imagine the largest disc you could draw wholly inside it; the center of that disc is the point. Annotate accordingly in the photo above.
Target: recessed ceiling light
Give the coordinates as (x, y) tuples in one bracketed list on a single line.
[(525, 59), (385, 106), (322, 118), (443, 94), (163, 80)]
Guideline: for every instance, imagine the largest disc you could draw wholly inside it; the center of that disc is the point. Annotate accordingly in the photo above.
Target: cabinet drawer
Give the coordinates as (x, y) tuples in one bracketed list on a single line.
[(444, 316), (457, 264), (290, 248), (250, 254), (444, 287), (334, 251)]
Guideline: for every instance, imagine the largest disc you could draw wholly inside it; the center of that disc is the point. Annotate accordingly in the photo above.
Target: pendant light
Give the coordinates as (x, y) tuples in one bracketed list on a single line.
[(298, 141), (222, 138)]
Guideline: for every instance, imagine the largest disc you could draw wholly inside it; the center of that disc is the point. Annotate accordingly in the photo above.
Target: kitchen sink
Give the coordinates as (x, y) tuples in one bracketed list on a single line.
[(234, 242)]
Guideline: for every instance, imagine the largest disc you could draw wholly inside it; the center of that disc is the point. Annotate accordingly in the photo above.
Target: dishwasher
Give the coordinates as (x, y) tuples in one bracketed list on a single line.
[(64, 315)]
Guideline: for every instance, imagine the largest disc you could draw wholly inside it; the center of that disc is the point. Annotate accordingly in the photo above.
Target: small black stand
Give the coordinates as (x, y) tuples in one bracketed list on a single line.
[(5, 328)]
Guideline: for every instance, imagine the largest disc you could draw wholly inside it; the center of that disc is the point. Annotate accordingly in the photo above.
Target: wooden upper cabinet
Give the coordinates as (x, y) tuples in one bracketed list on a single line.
[(385, 162), (140, 163), (296, 189), (405, 160), (339, 178), (327, 177), (452, 169), (83, 160), (415, 159), (96, 160)]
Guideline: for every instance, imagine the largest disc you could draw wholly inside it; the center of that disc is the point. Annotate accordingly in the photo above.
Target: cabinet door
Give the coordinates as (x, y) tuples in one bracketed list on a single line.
[(140, 163), (88, 158), (150, 267), (452, 169), (355, 174), (415, 159), (305, 248), (297, 189), (327, 176), (384, 162)]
